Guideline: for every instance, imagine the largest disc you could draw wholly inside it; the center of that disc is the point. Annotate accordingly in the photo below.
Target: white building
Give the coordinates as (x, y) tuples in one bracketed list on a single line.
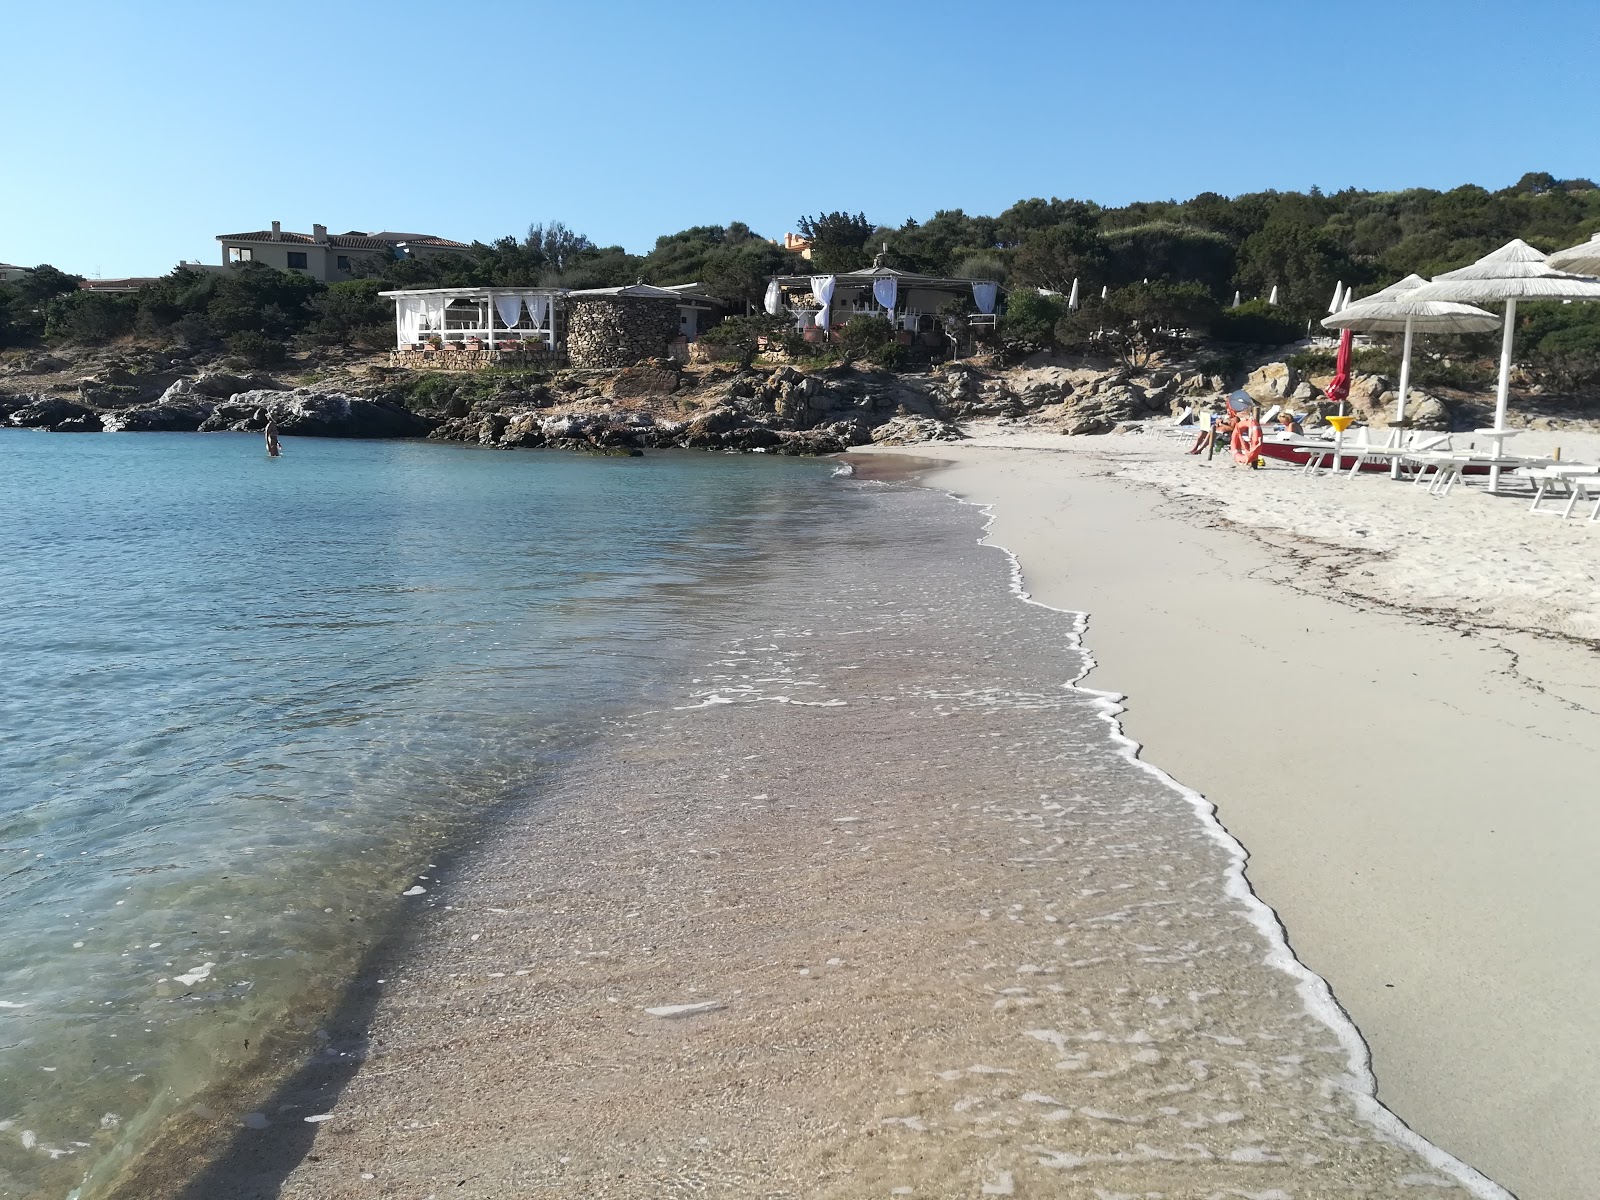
[(325, 256)]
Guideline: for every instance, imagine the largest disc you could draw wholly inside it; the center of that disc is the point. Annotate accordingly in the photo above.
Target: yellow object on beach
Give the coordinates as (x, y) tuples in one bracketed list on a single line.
[(1340, 423)]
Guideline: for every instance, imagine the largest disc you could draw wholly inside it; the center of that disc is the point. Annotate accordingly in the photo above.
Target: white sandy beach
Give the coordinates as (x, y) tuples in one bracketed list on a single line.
[(1364, 680)]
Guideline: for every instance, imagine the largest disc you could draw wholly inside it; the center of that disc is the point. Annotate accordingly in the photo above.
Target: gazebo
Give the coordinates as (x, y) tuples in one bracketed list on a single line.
[(473, 327), (911, 302)]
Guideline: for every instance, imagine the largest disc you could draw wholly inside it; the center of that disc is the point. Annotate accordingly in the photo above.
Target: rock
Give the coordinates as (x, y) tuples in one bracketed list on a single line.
[(810, 441), (40, 364), (221, 385), (88, 423), (1429, 412), (1100, 413), (44, 412), (1272, 382), (645, 380), (524, 431), (1304, 393), (909, 430), (307, 413), (670, 1012), (182, 416)]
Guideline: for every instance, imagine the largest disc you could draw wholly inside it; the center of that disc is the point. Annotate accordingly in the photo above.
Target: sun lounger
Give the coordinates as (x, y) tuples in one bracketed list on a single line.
[(1448, 468), (1555, 481)]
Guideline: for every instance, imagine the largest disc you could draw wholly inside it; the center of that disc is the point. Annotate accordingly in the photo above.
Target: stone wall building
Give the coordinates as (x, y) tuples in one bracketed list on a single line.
[(623, 326)]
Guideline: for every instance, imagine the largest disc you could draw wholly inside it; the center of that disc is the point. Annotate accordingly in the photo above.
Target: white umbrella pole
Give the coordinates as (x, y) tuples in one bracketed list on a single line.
[(1405, 374), (1503, 394)]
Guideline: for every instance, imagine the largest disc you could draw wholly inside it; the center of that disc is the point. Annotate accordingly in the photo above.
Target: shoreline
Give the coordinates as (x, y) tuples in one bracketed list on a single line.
[(1442, 907)]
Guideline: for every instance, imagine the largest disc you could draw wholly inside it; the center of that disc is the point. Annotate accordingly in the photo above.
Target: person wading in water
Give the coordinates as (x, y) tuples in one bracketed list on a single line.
[(273, 449)]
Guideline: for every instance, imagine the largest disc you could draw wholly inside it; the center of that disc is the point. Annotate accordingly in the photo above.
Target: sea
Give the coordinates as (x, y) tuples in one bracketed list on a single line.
[(246, 701), (256, 710)]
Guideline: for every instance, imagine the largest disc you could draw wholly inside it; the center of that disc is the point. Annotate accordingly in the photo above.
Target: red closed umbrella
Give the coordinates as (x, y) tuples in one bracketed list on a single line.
[(1339, 387)]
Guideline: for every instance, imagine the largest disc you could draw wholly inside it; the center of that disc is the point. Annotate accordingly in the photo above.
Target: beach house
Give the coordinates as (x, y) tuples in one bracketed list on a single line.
[(471, 329), (922, 308), (329, 257)]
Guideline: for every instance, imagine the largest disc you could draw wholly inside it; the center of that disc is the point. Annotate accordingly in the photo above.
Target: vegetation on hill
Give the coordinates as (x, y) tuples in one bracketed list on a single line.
[(1167, 265)]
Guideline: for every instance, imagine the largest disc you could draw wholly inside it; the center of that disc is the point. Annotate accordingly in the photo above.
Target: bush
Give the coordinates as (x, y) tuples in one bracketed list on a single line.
[(739, 338), (89, 317), (352, 313), (1030, 318), (258, 349), (1255, 322), (872, 339)]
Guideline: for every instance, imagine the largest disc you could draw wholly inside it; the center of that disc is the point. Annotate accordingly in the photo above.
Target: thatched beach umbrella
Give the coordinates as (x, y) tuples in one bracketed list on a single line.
[(1514, 272), (1393, 310), (1582, 259)]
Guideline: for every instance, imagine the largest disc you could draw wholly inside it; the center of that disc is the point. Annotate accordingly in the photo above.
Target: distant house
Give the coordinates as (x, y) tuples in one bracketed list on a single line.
[(116, 287), (10, 272), (329, 257)]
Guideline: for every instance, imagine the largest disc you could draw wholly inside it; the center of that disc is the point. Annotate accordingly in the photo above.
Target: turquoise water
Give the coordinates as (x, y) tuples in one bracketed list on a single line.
[(246, 699)]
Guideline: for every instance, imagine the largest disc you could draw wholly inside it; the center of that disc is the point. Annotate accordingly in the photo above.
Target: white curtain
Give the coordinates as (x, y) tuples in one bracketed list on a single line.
[(408, 322), (509, 308), (538, 307), (432, 311), (774, 301), (822, 291), (983, 295), (886, 291)]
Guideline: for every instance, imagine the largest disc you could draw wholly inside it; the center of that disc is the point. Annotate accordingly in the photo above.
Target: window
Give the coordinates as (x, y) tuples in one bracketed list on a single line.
[(342, 262), (238, 254), (297, 260)]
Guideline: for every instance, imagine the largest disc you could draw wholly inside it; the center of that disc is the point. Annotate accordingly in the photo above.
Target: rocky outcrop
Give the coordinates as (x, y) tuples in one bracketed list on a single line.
[(181, 416), (907, 431), (307, 413), (48, 412), (1272, 383)]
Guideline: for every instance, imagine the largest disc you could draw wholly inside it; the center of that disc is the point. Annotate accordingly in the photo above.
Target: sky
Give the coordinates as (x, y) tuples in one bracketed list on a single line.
[(133, 134)]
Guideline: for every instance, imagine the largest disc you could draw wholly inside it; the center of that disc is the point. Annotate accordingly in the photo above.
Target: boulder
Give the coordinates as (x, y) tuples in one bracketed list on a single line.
[(810, 441), (645, 380), (308, 413), (909, 430), (524, 430), (180, 416), (87, 423), (1100, 413), (1429, 412), (45, 412), (221, 385), (1271, 383)]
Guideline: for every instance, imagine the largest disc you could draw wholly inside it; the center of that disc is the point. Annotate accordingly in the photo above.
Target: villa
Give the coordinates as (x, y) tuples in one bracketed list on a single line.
[(329, 257)]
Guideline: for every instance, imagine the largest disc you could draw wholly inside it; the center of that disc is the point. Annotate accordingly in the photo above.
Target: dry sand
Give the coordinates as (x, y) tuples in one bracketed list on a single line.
[(1360, 677)]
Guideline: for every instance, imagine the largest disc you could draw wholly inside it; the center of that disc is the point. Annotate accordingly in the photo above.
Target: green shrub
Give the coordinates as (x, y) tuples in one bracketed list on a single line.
[(257, 348), (89, 317), (1255, 323), (1030, 318), (739, 338), (872, 339), (352, 313)]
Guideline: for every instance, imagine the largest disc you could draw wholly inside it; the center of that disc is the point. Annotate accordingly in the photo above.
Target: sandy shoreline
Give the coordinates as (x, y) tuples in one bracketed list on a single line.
[(920, 928), (1382, 726)]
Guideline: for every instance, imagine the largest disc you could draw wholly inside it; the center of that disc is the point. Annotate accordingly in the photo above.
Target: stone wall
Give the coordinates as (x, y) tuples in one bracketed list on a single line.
[(608, 332), (467, 360)]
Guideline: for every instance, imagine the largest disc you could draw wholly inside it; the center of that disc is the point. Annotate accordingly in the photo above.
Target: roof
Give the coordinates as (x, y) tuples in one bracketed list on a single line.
[(869, 275), (14, 267), (475, 293), (131, 284), (354, 240), (642, 291)]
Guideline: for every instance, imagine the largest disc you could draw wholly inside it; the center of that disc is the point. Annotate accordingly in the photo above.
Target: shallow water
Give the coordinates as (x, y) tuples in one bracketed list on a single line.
[(246, 699)]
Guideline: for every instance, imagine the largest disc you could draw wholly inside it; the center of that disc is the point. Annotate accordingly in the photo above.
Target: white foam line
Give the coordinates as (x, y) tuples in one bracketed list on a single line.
[(1314, 990)]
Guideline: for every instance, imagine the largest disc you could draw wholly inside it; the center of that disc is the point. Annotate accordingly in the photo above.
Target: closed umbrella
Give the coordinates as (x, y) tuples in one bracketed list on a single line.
[(1514, 272), (1236, 299), (1337, 302), (1105, 290), (1273, 299), (1072, 300), (1582, 259), (1393, 310)]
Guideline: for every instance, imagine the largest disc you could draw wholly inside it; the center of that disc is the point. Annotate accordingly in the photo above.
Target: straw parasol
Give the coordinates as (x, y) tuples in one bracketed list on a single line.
[(1393, 310), (1582, 259), (1514, 272)]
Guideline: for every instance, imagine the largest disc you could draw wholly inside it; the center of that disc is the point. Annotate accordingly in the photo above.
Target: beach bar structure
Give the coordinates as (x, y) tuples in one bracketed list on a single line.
[(474, 328), (912, 303)]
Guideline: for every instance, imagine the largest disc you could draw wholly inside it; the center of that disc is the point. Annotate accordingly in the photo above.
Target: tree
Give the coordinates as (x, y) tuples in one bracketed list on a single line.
[(1143, 318), (1162, 250), (1030, 318), (89, 318), (352, 313), (1053, 257), (838, 240)]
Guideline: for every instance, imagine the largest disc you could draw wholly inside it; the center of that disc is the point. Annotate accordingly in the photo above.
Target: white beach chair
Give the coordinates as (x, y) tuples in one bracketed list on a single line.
[(1183, 425)]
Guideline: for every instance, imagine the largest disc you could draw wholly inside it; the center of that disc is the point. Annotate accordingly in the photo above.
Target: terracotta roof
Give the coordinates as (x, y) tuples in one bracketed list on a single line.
[(347, 241)]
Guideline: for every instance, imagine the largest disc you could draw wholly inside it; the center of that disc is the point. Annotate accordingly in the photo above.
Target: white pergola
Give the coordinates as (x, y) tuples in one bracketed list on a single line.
[(498, 318)]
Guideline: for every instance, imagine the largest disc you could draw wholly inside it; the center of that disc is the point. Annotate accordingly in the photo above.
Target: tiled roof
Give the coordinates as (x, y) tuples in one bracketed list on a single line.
[(347, 241)]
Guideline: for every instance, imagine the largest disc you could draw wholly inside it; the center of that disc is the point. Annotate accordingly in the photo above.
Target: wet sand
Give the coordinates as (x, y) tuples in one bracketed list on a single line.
[(1415, 790), (881, 907)]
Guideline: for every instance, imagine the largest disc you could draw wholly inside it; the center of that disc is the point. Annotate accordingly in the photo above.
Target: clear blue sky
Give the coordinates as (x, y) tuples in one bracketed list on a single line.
[(134, 133)]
